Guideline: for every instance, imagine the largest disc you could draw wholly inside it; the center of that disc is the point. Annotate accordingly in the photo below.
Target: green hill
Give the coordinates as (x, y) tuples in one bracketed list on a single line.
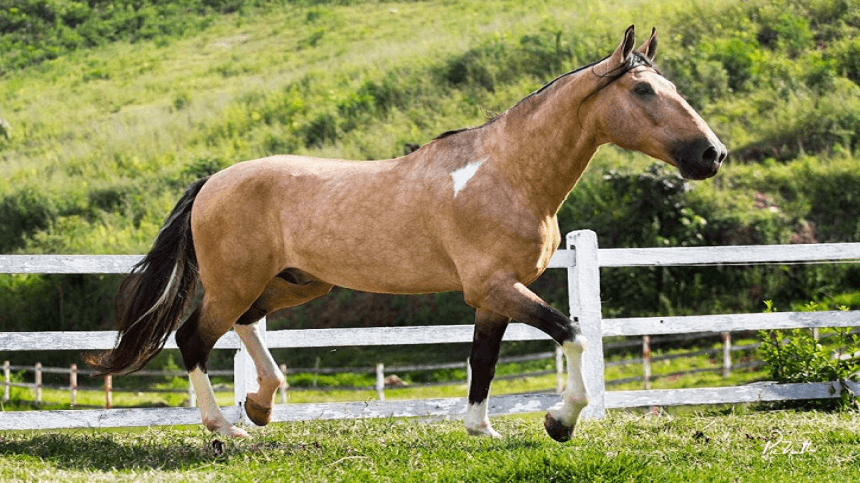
[(108, 109)]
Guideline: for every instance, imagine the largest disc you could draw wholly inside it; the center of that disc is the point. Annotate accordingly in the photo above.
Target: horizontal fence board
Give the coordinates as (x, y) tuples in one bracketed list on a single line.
[(442, 334), (376, 336), (106, 418), (728, 322), (727, 395), (57, 264), (563, 259), (277, 339), (84, 340), (443, 407), (112, 418), (727, 255), (608, 257), (68, 263)]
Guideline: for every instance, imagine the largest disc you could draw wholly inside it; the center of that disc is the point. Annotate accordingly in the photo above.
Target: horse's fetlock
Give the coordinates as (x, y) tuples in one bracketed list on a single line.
[(215, 423), (576, 346)]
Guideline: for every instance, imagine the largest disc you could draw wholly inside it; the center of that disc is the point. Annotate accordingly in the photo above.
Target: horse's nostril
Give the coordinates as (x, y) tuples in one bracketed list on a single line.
[(710, 155)]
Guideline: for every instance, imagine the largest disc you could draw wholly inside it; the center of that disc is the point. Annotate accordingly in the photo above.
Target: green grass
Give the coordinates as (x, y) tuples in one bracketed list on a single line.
[(729, 446)]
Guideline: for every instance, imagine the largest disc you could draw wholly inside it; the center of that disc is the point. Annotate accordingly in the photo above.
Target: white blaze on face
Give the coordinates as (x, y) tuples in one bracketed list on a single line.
[(462, 176)]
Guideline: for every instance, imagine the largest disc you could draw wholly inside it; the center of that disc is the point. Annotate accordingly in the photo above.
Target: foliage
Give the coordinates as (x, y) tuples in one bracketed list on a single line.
[(801, 355), (33, 31)]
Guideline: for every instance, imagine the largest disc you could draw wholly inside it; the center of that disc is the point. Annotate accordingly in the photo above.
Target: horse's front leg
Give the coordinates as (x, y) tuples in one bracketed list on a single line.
[(258, 405), (489, 329), (506, 296)]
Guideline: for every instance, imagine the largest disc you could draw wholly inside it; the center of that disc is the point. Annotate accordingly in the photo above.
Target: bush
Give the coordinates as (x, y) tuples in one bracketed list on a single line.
[(23, 213), (799, 355)]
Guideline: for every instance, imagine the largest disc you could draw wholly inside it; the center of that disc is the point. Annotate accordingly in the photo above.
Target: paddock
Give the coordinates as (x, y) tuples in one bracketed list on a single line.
[(581, 258)]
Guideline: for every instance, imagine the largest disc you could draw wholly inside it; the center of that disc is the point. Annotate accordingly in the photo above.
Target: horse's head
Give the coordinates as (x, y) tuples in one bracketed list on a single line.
[(637, 108)]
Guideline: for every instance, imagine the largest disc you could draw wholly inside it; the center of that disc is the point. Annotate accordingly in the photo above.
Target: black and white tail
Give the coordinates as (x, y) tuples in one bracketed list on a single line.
[(152, 299)]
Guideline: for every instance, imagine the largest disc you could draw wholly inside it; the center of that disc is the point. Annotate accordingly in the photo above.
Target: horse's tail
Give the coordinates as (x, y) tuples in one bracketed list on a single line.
[(153, 298)]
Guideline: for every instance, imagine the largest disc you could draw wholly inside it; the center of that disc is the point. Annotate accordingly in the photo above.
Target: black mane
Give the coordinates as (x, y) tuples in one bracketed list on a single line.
[(634, 60)]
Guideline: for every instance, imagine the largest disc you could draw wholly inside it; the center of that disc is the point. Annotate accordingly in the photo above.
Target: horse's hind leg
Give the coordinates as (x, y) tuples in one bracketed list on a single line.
[(196, 338), (489, 330), (286, 290)]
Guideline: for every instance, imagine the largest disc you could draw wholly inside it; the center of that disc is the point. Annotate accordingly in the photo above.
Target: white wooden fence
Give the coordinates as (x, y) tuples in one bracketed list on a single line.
[(582, 259)]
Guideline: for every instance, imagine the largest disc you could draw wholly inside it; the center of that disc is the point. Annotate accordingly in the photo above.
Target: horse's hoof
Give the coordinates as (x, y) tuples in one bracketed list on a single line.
[(257, 413), (556, 429), (486, 431), (233, 432)]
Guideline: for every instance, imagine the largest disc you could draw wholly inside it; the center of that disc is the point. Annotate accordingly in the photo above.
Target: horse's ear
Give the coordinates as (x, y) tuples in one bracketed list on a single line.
[(624, 49), (649, 48)]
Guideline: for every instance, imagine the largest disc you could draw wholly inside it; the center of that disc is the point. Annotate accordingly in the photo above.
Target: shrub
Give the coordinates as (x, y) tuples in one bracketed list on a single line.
[(23, 213), (799, 355)]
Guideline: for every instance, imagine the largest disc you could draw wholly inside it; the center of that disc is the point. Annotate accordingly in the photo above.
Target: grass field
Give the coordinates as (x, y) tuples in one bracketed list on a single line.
[(733, 445)]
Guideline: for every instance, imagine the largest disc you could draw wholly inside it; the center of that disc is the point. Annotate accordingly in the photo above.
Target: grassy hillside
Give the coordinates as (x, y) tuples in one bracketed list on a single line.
[(108, 111)]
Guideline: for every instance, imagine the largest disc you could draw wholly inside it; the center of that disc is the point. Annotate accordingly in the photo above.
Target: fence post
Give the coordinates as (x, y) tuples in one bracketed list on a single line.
[(727, 353), (316, 372), (73, 385), (108, 391), (559, 370), (380, 381), (245, 374), (192, 396), (38, 383), (7, 379), (285, 385), (646, 361), (583, 284)]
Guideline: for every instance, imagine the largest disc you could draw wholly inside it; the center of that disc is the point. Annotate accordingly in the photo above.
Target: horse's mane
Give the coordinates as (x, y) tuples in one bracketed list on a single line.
[(634, 60)]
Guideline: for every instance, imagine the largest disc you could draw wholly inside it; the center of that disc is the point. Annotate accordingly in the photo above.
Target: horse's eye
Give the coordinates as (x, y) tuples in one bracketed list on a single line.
[(643, 89)]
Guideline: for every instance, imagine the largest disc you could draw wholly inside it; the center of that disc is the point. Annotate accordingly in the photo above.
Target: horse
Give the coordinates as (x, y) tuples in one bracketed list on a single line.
[(473, 211)]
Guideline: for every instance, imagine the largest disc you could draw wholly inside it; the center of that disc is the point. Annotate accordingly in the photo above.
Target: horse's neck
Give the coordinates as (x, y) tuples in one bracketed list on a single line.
[(544, 149)]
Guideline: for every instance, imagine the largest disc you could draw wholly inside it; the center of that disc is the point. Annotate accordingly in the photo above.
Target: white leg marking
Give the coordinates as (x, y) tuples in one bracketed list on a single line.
[(478, 422), (575, 396), (209, 411), (269, 376), (464, 174)]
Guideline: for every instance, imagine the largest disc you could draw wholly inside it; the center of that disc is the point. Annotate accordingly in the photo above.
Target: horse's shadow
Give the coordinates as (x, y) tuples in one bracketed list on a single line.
[(110, 452)]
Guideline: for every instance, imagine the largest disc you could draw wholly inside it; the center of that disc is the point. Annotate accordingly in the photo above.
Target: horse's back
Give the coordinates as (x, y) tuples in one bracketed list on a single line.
[(359, 224)]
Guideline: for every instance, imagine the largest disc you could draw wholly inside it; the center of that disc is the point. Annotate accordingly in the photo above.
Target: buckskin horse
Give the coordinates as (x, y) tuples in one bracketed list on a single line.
[(472, 211)]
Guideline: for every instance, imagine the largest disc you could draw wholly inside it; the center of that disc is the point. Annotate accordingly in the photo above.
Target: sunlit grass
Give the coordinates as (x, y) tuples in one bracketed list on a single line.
[(705, 446)]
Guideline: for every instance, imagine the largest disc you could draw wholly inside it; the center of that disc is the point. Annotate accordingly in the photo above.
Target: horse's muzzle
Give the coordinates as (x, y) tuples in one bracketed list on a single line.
[(701, 158)]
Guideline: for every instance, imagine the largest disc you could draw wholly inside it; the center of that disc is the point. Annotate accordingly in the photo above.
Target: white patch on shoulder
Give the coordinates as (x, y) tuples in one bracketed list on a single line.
[(462, 176)]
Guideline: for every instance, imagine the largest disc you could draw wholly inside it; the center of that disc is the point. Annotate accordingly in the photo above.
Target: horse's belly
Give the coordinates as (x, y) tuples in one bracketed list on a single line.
[(388, 278), (380, 268)]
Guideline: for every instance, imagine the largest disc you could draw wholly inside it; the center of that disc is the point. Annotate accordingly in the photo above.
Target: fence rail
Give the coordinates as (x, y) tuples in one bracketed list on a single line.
[(382, 383), (583, 261)]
